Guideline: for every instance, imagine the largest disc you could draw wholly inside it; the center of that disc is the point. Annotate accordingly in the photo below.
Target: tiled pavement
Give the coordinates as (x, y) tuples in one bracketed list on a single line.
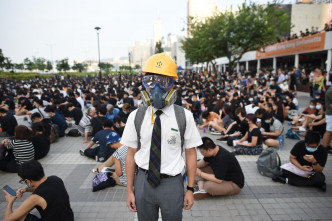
[(260, 199)]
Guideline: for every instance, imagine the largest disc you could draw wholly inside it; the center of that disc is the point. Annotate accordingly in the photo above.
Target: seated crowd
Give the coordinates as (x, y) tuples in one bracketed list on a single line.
[(245, 111)]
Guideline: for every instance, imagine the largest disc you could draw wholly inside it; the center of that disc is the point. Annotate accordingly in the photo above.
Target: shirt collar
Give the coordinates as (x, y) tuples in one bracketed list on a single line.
[(166, 110)]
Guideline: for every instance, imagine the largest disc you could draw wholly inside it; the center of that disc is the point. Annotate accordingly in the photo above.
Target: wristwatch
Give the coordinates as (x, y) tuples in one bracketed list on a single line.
[(190, 188), (315, 163)]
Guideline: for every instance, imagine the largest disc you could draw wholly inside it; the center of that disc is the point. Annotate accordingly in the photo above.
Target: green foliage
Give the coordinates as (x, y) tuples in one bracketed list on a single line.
[(106, 66), (231, 34), (125, 67), (62, 65), (137, 67), (39, 63), (158, 48), (28, 64), (79, 66), (49, 65), (5, 62)]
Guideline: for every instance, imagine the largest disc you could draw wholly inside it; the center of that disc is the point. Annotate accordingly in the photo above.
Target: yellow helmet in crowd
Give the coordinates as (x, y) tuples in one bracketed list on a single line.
[(161, 64)]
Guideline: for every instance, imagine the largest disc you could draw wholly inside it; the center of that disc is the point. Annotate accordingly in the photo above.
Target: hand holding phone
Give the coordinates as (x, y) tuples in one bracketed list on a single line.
[(9, 190)]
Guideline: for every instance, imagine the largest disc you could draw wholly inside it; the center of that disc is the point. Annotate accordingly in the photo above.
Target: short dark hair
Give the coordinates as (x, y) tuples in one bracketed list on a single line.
[(35, 115), (207, 144), (69, 104), (312, 137), (49, 108), (205, 114), (252, 118), (37, 127), (241, 110), (108, 123), (31, 170), (22, 133), (103, 110), (40, 102), (3, 111)]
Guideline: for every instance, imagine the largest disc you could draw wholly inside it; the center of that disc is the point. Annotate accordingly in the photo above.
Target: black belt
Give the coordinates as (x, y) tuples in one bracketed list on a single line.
[(162, 176)]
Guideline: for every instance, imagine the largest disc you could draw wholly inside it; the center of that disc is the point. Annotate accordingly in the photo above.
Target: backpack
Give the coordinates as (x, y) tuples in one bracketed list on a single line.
[(292, 135), (54, 136), (268, 163), (180, 119), (73, 133)]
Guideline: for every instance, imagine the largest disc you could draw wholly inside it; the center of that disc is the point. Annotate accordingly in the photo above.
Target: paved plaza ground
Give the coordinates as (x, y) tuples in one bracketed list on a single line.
[(260, 199)]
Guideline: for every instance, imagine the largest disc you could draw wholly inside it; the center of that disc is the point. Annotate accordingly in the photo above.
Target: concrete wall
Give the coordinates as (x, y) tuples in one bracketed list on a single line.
[(308, 15)]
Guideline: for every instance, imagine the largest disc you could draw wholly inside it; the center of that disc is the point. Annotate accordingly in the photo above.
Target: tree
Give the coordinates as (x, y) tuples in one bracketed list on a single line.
[(158, 48), (49, 65), (137, 67), (19, 66), (62, 65), (105, 66), (231, 34), (5, 62), (79, 66), (40, 63), (2, 59), (28, 64)]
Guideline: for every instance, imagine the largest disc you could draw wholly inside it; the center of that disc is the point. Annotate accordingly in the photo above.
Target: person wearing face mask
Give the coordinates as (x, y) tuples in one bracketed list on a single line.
[(155, 147), (307, 155), (49, 196), (275, 129), (311, 109)]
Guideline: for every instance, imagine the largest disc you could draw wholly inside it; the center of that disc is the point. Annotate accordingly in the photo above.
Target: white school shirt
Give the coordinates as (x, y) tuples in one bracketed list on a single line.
[(172, 162)]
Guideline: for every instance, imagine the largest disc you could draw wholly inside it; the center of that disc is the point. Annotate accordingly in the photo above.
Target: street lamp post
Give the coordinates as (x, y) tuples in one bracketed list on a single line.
[(97, 29), (129, 62)]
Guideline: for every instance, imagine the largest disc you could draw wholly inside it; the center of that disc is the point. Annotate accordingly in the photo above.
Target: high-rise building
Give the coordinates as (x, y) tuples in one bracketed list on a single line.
[(158, 30)]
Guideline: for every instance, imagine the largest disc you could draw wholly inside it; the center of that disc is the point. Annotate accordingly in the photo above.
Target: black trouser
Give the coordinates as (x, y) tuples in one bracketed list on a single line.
[(7, 161), (315, 180)]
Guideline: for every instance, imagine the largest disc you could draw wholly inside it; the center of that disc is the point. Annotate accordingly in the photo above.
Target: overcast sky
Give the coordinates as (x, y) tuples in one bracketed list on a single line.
[(34, 27)]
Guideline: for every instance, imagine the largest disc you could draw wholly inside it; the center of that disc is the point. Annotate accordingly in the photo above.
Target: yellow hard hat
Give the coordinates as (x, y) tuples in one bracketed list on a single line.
[(161, 64)]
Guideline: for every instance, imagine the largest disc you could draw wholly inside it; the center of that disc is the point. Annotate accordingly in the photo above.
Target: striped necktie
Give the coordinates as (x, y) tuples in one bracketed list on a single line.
[(155, 152)]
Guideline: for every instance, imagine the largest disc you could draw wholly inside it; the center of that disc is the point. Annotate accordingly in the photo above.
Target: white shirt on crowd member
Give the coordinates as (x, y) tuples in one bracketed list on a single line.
[(172, 162)]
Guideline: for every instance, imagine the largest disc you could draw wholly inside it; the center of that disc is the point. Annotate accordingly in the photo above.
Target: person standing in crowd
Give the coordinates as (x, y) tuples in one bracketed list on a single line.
[(158, 181), (218, 173), (328, 134), (49, 196), (7, 123)]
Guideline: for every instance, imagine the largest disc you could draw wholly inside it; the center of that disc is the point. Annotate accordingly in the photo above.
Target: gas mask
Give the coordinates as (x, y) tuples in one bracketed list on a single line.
[(162, 93)]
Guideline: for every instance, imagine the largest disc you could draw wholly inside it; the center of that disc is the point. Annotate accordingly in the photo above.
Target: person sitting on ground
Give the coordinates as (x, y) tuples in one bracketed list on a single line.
[(270, 138), (238, 128), (101, 152), (307, 155), (7, 123), (84, 127), (36, 117), (118, 158), (38, 108), (97, 122), (57, 119), (24, 105), (218, 173), (208, 117), (112, 112), (16, 151), (311, 109), (49, 196), (251, 143), (119, 124), (75, 113), (221, 124), (40, 142)]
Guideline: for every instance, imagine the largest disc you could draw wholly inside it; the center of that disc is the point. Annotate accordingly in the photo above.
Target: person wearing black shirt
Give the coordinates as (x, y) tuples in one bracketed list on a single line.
[(252, 142), (36, 117), (75, 113), (40, 142), (24, 105), (218, 173), (97, 122), (49, 196), (8, 123), (307, 155)]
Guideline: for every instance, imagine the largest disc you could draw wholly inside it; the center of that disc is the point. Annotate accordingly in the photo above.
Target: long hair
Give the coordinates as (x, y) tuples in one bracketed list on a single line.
[(22, 133)]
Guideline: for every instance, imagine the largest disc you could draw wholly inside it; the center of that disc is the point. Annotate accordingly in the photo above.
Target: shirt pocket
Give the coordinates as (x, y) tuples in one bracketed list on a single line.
[(173, 138)]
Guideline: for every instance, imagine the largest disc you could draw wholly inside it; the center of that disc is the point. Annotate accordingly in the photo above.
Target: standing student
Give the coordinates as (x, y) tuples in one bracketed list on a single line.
[(158, 182)]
